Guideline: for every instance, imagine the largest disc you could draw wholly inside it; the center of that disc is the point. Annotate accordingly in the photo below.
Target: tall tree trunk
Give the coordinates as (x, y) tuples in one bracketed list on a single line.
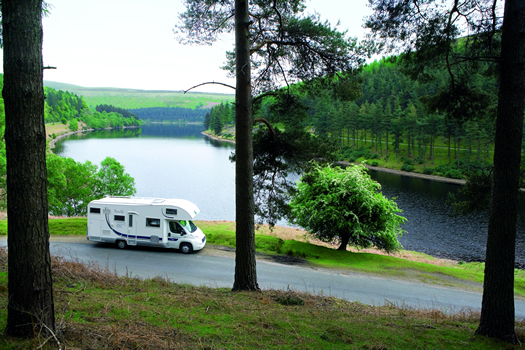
[(30, 284), (479, 149), (386, 150), (245, 264), (497, 309), (449, 141)]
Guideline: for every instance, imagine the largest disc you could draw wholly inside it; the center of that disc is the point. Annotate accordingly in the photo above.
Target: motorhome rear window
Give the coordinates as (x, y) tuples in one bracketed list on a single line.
[(94, 210), (152, 222), (120, 218), (171, 211)]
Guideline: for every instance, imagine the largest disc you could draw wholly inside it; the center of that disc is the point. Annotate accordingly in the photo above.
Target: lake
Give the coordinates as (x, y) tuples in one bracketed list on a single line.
[(177, 161)]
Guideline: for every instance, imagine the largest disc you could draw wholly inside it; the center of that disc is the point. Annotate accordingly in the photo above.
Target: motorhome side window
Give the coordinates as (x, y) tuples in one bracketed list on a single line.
[(150, 222), (119, 218), (171, 211), (94, 210)]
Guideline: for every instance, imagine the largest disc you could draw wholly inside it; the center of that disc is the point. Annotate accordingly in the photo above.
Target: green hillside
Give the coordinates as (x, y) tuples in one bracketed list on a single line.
[(134, 99)]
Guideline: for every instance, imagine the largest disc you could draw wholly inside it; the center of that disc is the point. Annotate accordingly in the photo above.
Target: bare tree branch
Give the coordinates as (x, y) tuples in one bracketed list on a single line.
[(208, 83)]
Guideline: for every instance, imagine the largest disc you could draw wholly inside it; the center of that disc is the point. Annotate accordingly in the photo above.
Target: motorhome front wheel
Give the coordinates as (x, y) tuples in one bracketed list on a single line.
[(186, 248), (121, 244)]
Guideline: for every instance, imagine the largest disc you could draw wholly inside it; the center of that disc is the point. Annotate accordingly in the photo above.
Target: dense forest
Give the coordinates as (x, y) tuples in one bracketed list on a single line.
[(66, 107), (219, 117), (171, 114), (391, 123)]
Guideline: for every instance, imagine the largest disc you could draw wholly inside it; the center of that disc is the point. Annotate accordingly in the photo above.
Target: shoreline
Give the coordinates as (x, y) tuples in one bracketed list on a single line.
[(376, 168), (213, 137), (53, 141)]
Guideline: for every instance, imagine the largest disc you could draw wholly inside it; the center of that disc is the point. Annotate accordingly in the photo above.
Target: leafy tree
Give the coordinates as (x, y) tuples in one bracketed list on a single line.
[(73, 125), (432, 34), (70, 185), (344, 205), (281, 46), (112, 180), (30, 306)]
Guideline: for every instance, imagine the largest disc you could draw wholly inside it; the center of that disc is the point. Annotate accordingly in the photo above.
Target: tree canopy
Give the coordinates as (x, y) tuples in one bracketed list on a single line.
[(468, 37), (286, 46), (346, 206)]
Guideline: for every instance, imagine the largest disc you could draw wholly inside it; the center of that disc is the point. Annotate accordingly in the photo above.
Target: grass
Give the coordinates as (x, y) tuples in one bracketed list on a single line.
[(58, 227), (95, 309)]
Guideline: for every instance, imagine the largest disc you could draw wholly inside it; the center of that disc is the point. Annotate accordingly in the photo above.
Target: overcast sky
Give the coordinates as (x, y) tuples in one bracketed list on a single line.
[(130, 43)]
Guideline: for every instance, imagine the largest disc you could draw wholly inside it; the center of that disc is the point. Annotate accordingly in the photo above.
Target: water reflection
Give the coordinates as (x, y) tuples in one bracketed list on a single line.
[(431, 225), (219, 144)]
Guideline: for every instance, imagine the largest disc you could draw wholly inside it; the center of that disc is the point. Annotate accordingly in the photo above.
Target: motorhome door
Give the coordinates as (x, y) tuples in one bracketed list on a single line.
[(132, 228), (174, 235)]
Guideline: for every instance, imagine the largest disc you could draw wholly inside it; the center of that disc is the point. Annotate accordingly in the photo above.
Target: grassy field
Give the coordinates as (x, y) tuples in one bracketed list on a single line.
[(130, 98), (96, 309)]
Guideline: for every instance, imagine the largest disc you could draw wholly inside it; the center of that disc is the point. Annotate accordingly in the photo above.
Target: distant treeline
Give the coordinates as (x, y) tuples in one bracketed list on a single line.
[(170, 114), (109, 108)]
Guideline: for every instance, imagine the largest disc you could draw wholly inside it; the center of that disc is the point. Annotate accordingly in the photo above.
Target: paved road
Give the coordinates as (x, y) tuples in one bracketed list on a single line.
[(216, 271)]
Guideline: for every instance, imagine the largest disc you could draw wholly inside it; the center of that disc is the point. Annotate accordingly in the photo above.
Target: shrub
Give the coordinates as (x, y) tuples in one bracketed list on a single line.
[(454, 173), (428, 171), (407, 161), (409, 168)]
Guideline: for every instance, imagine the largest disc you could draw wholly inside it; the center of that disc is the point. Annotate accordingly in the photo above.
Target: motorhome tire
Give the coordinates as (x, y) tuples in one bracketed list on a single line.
[(186, 248), (121, 244)]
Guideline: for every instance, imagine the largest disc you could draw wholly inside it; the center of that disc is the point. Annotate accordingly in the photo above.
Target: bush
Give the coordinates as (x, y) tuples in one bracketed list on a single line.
[(407, 161), (428, 171), (454, 174), (409, 168)]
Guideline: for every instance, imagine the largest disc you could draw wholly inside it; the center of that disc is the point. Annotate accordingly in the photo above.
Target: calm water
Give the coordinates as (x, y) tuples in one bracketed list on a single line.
[(173, 161), (167, 161)]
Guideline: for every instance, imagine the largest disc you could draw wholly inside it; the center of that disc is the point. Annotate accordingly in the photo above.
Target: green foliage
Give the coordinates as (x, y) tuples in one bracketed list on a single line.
[(475, 194), (283, 36), (112, 180), (65, 106), (72, 185), (73, 125), (278, 157), (109, 108), (219, 117), (345, 205)]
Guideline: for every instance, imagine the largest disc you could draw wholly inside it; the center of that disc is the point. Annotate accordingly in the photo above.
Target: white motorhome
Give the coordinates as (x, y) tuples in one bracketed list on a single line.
[(154, 222)]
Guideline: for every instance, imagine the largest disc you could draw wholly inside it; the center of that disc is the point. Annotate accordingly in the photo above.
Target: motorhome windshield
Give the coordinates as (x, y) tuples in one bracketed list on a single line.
[(188, 225)]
